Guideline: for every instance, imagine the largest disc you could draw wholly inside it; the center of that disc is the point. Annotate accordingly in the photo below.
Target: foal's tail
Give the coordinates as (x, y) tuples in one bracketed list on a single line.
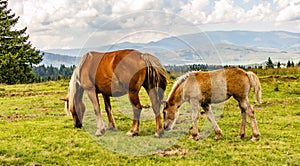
[(254, 82), (156, 74)]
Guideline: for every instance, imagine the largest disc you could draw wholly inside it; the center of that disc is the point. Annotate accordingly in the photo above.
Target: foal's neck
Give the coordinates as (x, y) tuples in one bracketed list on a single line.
[(175, 96)]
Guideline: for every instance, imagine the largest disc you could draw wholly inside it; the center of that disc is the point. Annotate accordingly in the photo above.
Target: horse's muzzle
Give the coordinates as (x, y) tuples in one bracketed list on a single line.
[(78, 125)]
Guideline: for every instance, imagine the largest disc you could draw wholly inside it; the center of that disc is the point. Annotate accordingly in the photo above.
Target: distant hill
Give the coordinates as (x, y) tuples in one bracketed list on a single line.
[(226, 47), (56, 59), (225, 54)]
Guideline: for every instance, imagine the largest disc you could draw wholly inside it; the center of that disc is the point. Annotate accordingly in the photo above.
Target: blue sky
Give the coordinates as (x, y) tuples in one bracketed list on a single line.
[(74, 24)]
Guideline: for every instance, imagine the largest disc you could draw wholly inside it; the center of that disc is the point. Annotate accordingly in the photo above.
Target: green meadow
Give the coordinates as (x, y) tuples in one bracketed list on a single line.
[(35, 130)]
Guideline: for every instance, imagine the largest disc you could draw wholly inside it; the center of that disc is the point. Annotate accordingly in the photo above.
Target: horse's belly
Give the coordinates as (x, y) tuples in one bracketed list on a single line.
[(114, 89)]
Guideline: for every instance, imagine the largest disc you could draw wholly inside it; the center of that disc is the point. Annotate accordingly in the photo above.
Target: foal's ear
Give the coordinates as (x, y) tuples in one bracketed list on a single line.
[(64, 99), (164, 103)]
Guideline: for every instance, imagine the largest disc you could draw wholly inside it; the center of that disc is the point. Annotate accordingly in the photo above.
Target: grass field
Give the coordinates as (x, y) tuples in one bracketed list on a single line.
[(34, 130)]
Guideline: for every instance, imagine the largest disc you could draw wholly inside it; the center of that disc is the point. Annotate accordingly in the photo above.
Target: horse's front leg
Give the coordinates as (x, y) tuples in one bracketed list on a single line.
[(195, 117), (95, 101), (137, 107), (155, 101), (111, 121)]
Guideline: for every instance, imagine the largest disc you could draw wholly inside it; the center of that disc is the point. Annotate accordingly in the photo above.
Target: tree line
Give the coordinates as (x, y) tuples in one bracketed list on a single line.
[(50, 73), (270, 64)]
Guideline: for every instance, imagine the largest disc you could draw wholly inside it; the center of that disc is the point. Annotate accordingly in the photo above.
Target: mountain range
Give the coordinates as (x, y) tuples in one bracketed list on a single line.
[(215, 47)]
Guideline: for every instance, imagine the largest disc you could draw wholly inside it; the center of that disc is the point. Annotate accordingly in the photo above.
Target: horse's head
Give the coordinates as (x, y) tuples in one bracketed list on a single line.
[(171, 114), (70, 109)]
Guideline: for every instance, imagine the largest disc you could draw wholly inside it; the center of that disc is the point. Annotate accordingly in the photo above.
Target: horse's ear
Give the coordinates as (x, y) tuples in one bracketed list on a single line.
[(64, 99)]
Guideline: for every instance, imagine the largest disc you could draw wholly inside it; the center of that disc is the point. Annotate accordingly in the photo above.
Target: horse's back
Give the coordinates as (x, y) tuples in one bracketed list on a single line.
[(110, 72)]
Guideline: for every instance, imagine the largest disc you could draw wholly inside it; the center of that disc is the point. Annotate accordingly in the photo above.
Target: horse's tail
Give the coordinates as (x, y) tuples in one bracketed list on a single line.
[(254, 82), (156, 74)]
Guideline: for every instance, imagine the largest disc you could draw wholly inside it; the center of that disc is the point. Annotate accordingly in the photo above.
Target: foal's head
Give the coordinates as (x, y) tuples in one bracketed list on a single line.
[(171, 114)]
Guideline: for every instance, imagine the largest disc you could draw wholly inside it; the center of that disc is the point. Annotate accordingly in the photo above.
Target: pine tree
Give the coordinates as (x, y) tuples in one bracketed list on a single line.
[(278, 65), (16, 53), (288, 64), (269, 63)]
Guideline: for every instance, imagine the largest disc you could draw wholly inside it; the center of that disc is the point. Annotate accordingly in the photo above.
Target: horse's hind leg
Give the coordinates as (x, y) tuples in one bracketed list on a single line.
[(245, 106), (95, 101), (137, 107), (212, 119), (111, 121)]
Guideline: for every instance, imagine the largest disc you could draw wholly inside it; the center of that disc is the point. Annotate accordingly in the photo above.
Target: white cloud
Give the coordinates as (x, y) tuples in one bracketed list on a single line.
[(225, 11), (194, 11), (288, 10), (69, 23), (246, 1), (260, 12)]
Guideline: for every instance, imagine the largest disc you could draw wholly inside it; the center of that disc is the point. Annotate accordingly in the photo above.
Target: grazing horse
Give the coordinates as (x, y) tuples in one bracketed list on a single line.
[(205, 88), (115, 74)]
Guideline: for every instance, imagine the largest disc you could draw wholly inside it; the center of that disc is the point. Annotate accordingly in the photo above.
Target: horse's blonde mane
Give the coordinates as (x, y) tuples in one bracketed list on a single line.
[(75, 80), (179, 81)]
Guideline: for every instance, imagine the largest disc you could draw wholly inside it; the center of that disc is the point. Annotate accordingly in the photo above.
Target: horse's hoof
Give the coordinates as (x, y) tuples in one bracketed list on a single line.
[(78, 125), (131, 134), (100, 133), (156, 135)]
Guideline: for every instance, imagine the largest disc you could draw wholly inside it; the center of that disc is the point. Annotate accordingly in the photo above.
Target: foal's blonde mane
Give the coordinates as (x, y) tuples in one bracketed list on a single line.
[(179, 81)]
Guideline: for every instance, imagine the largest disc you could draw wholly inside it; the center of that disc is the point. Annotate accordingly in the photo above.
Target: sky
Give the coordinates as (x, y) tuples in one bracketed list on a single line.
[(66, 24)]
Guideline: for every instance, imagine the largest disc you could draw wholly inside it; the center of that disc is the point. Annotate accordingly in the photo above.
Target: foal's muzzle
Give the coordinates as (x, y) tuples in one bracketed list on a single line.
[(167, 126)]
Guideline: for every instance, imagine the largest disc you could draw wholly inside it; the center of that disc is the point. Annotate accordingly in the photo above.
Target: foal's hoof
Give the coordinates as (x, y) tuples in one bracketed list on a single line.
[(100, 132), (111, 128), (241, 136), (131, 134), (217, 137), (195, 137), (253, 139)]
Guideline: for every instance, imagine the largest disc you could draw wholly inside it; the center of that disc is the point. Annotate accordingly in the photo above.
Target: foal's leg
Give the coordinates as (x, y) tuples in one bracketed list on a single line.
[(250, 112), (95, 101), (111, 121), (212, 119), (242, 132), (137, 107), (155, 101), (195, 117)]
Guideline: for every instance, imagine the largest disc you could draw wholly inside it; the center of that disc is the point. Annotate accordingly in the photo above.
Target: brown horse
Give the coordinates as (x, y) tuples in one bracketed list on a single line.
[(205, 88), (115, 74)]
